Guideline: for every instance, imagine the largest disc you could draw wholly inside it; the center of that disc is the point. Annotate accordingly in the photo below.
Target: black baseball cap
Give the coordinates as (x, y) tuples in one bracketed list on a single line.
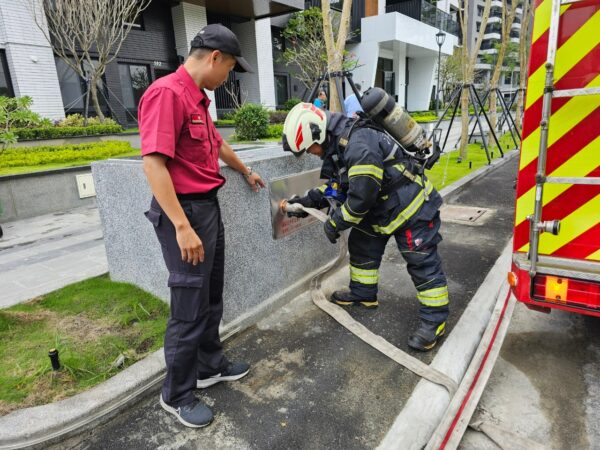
[(218, 37)]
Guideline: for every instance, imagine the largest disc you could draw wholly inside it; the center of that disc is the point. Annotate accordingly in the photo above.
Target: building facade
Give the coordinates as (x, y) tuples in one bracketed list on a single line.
[(393, 40)]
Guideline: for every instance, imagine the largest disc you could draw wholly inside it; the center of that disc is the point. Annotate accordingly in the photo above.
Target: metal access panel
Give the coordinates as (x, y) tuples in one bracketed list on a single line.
[(85, 185), (283, 188), (466, 215)]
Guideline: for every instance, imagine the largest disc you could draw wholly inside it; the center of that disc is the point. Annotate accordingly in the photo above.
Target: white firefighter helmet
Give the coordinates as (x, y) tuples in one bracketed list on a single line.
[(304, 126)]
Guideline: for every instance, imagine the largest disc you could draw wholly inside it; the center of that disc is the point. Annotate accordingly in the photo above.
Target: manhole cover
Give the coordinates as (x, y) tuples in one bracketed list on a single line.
[(466, 215)]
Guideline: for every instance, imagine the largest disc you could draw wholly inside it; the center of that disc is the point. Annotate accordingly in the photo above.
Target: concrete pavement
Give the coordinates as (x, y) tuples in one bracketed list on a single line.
[(45, 253), (313, 385)]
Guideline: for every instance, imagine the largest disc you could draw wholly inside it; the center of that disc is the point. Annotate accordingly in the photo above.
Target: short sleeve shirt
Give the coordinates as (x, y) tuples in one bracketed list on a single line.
[(174, 121)]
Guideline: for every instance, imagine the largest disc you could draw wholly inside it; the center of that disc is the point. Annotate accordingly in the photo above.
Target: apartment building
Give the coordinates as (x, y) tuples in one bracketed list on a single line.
[(394, 41), (509, 80)]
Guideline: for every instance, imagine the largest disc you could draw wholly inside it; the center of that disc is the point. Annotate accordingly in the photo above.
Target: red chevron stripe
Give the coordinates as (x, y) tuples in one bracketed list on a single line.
[(559, 208), (562, 150), (571, 21), (579, 76), (582, 246)]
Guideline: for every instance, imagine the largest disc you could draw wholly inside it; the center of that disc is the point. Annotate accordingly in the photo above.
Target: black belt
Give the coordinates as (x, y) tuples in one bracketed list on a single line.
[(199, 195)]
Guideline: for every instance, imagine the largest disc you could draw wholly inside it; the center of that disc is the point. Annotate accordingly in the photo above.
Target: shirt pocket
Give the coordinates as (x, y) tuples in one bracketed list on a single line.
[(195, 145)]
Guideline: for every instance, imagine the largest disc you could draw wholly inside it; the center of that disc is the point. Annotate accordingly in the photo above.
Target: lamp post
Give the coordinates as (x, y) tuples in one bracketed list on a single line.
[(440, 36)]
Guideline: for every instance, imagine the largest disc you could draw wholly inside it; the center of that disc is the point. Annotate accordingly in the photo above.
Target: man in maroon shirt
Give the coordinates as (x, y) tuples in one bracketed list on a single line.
[(181, 149)]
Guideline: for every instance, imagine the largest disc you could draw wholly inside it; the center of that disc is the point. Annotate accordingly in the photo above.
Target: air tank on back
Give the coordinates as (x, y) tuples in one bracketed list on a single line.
[(383, 109)]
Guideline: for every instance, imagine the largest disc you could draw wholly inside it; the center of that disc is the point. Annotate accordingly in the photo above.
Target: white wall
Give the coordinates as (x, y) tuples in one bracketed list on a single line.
[(421, 75), (255, 42), (188, 19), (30, 60)]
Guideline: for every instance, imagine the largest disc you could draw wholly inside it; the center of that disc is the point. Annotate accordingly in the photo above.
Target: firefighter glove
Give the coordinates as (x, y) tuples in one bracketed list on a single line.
[(304, 201), (330, 231)]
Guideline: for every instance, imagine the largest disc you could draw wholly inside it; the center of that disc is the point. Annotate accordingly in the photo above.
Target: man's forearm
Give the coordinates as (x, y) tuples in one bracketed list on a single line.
[(161, 185), (229, 157)]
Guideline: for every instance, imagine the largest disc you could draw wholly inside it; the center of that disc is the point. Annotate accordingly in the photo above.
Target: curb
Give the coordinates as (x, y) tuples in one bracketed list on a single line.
[(54, 422), (426, 406)]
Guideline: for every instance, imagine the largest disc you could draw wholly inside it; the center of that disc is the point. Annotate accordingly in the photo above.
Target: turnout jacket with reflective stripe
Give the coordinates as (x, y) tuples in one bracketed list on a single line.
[(376, 176)]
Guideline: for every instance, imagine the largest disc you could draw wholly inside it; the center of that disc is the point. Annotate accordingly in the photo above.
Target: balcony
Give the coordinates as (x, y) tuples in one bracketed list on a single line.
[(426, 13)]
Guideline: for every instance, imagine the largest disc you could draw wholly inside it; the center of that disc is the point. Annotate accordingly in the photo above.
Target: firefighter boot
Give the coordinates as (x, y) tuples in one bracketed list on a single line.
[(346, 298), (426, 336)]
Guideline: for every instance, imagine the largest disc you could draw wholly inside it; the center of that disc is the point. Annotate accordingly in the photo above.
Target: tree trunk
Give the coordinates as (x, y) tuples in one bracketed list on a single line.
[(95, 102), (464, 133), (523, 59), (469, 60), (335, 52)]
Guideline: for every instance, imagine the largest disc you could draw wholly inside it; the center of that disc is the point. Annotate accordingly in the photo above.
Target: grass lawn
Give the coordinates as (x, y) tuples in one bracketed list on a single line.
[(73, 163), (448, 169), (91, 324)]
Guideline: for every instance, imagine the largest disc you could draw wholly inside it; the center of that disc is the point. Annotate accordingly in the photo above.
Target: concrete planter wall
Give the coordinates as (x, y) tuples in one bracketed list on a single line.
[(258, 269), (33, 194)]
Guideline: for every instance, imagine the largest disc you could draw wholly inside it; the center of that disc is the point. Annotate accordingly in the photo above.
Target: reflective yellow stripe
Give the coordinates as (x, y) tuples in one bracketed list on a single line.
[(322, 188), (364, 276), (577, 166), (594, 256), (434, 297), (408, 212), (571, 226), (366, 169), (333, 224), (349, 217), (567, 56)]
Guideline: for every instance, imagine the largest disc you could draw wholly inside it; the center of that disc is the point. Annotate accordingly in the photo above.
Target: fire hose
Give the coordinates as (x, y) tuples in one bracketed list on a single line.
[(342, 317)]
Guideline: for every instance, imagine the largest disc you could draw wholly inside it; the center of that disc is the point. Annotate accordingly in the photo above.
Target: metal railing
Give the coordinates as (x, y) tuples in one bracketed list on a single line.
[(426, 13)]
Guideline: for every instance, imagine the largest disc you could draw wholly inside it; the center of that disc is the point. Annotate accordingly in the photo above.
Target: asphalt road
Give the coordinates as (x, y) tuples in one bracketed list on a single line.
[(313, 385)]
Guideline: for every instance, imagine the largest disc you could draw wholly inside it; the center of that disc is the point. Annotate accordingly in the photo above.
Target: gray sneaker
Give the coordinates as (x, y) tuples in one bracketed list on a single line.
[(234, 371), (193, 415)]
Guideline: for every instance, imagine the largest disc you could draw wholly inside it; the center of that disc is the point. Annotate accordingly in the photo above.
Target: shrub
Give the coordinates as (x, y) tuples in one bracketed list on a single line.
[(275, 130), (277, 116), (230, 115), (77, 120), (225, 123), (15, 112), (251, 122), (56, 154), (58, 132), (290, 103)]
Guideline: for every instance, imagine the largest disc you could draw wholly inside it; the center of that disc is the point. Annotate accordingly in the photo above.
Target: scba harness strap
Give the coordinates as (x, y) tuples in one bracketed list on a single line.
[(389, 160)]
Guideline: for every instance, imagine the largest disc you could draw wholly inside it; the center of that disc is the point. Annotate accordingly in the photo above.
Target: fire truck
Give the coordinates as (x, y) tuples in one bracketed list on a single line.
[(556, 244)]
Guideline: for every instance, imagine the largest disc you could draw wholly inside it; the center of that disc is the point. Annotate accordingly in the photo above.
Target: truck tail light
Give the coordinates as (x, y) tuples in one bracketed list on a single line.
[(567, 291)]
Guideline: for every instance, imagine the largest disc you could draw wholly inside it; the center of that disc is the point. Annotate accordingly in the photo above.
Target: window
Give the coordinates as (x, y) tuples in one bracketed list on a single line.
[(137, 23), (73, 89), (278, 40), (6, 88), (281, 89), (135, 79), (508, 78), (479, 10)]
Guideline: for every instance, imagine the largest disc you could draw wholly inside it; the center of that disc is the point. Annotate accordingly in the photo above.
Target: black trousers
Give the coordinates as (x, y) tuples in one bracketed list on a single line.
[(192, 345), (418, 246)]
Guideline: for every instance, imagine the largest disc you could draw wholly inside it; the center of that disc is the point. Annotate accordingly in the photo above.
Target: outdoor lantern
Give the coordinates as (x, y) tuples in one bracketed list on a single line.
[(440, 37)]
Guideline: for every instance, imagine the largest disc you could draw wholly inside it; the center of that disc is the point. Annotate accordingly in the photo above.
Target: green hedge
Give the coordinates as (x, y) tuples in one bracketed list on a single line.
[(225, 123), (60, 132), (56, 154), (251, 122), (275, 130)]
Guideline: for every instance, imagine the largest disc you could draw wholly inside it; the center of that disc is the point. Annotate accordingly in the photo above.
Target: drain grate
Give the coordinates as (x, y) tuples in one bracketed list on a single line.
[(466, 215)]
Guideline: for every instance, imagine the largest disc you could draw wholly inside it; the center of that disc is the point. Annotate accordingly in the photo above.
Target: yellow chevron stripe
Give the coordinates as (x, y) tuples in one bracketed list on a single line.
[(568, 55), (542, 19), (571, 226), (562, 121), (577, 166), (594, 256)]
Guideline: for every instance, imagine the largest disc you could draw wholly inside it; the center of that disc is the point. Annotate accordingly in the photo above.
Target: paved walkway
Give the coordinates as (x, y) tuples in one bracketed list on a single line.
[(42, 254)]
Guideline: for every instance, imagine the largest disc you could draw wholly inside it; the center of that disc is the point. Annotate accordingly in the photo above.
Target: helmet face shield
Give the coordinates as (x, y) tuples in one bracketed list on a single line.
[(304, 126)]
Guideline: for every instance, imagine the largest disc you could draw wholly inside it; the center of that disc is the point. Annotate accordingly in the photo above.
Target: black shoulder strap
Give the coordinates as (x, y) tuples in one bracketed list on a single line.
[(361, 122)]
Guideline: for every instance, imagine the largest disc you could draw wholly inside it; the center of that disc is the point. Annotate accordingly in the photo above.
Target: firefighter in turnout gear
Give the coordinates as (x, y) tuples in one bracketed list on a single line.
[(382, 197)]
